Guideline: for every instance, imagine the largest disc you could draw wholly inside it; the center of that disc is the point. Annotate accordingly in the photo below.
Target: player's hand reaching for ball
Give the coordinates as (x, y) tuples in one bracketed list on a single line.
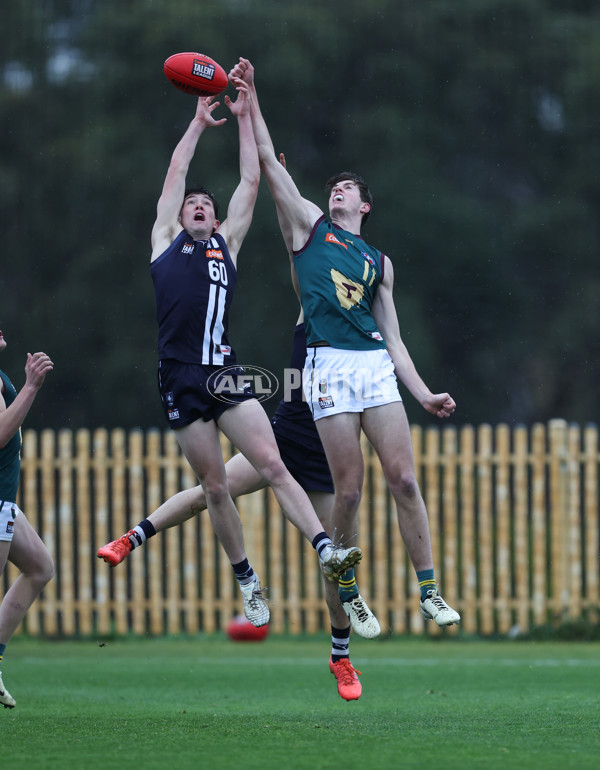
[(242, 70), (241, 106), (204, 110)]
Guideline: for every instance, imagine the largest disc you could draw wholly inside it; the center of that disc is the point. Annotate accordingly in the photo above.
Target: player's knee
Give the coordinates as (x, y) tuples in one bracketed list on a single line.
[(349, 497), (42, 571), (273, 470), (48, 571), (404, 485), (216, 492)]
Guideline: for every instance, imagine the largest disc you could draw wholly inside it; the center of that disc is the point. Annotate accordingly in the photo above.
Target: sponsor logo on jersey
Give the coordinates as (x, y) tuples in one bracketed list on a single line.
[(225, 349), (326, 402), (214, 254), (203, 70), (369, 258), (376, 336), (188, 248), (330, 238)]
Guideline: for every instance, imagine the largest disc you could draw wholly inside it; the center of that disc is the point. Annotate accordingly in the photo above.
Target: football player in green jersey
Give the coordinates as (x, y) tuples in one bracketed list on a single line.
[(19, 542), (355, 353)]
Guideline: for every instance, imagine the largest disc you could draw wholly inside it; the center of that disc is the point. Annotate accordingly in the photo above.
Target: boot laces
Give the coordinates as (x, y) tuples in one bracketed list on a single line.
[(346, 671)]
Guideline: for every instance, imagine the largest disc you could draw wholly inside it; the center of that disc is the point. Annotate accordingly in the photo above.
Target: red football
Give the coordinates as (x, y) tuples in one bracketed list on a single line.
[(196, 74), (241, 630)]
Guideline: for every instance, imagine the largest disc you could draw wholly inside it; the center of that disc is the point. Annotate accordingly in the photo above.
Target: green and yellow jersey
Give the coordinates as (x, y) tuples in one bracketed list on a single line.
[(10, 455), (338, 275)]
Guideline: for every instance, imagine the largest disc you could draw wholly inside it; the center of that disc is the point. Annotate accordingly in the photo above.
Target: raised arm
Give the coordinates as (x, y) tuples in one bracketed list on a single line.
[(167, 226), (241, 205), (36, 368), (296, 214), (384, 313)]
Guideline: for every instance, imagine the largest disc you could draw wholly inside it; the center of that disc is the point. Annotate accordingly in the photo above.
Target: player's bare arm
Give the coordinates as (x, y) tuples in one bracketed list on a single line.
[(386, 318), (167, 225), (298, 214), (36, 368), (241, 205)]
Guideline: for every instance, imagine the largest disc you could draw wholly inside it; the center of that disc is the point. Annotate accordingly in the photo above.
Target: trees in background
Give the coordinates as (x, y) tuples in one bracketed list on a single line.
[(476, 129)]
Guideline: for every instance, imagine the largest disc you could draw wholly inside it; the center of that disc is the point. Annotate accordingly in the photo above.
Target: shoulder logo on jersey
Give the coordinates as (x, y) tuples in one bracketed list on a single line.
[(330, 238), (214, 254), (369, 258), (187, 248), (348, 292)]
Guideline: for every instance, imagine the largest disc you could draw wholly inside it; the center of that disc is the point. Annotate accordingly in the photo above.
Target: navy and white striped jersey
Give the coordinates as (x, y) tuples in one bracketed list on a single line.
[(194, 283)]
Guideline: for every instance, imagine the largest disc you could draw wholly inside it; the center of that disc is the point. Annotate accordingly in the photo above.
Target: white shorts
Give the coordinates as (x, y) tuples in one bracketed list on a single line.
[(337, 381), (8, 514)]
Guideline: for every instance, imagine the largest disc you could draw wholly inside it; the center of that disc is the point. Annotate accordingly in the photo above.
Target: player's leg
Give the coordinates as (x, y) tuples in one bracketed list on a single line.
[(29, 554), (177, 509), (200, 444), (242, 478), (6, 699), (350, 602), (388, 430), (348, 684), (340, 436), (248, 427)]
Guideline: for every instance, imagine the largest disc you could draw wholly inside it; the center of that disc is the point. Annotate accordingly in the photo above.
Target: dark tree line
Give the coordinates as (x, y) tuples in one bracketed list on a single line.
[(475, 124)]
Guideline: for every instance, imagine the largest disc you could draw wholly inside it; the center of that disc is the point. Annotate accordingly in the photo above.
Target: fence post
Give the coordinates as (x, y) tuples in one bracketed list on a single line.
[(450, 514), (485, 520), (539, 525), (590, 541), (520, 534), (49, 527), (65, 529), (467, 531), (559, 520), (84, 513)]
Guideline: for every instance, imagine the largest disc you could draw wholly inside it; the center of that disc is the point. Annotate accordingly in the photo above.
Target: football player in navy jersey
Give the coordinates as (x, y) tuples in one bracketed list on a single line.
[(193, 266), (19, 542), (302, 452)]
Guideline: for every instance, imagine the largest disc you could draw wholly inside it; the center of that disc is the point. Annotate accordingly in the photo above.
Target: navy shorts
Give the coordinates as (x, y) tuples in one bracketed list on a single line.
[(191, 392), (307, 465)]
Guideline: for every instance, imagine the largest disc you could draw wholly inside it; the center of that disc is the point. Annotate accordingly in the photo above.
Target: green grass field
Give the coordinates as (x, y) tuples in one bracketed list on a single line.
[(211, 703)]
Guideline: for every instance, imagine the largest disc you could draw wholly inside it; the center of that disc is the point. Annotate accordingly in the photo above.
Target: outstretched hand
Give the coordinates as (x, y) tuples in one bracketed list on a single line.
[(204, 110), (242, 70), (36, 368), (241, 106)]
